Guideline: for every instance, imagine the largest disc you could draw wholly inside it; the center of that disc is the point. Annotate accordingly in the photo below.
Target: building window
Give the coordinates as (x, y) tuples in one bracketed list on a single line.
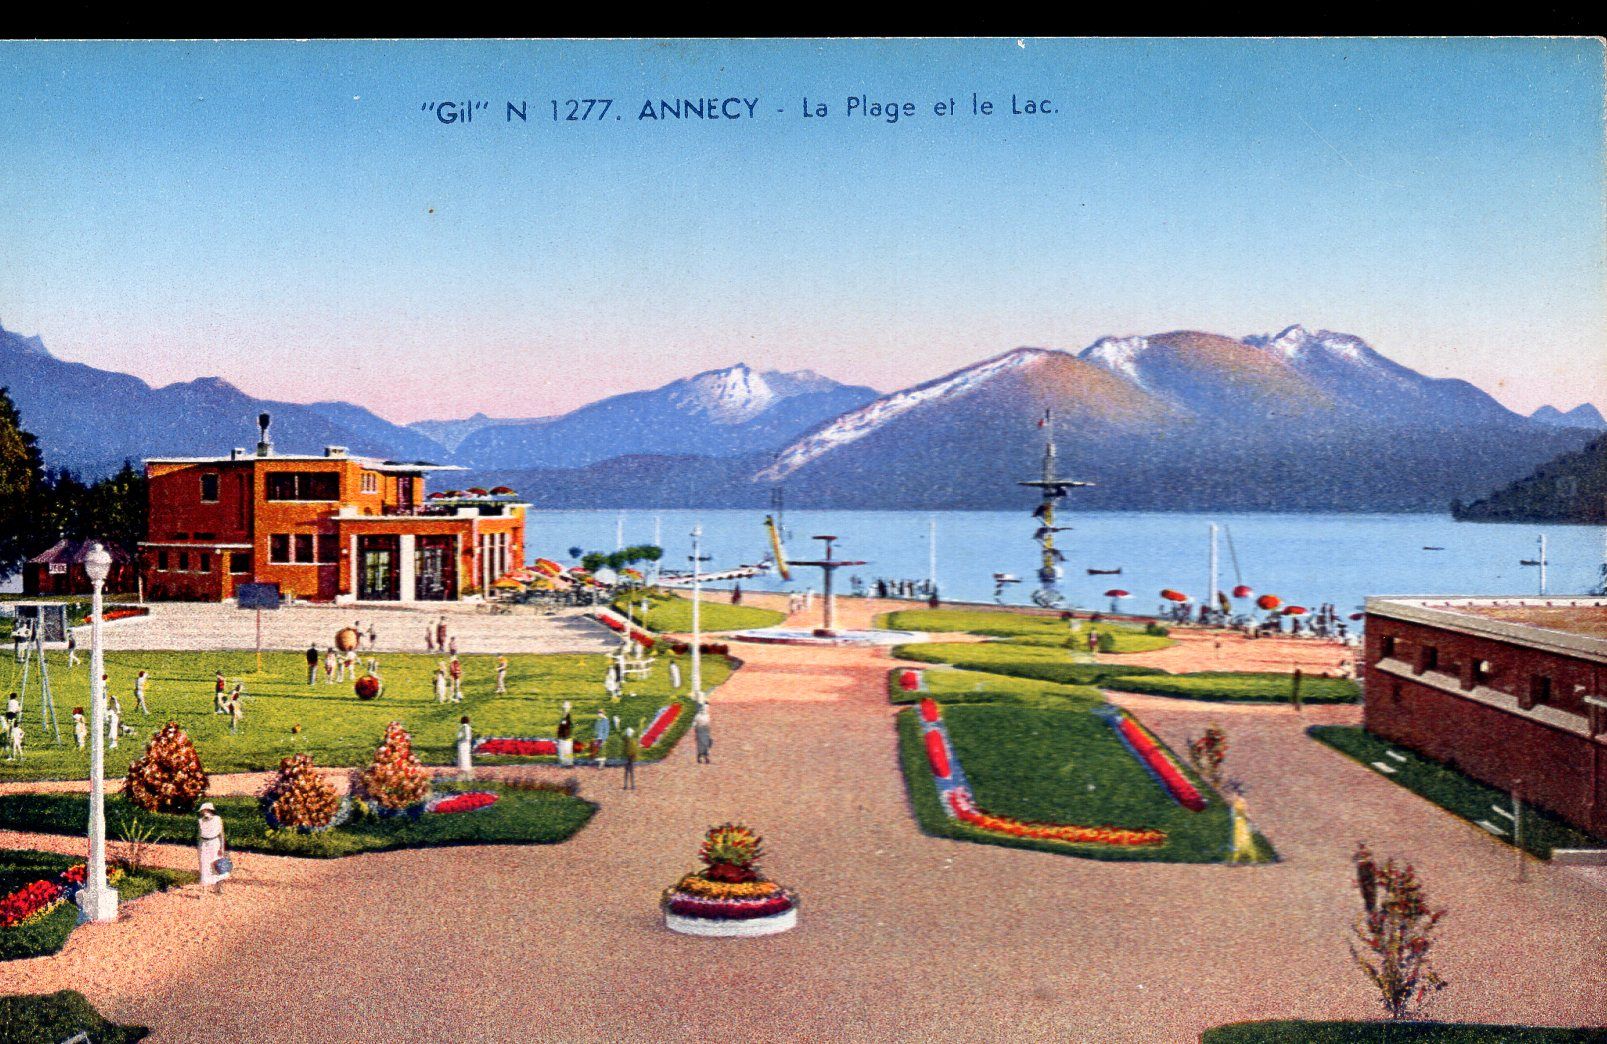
[(209, 489), (304, 547), (1539, 691), (1428, 658), (303, 485), (161, 561), (1386, 647), (184, 561), (279, 549), (370, 482), (206, 562), (240, 562), (328, 548)]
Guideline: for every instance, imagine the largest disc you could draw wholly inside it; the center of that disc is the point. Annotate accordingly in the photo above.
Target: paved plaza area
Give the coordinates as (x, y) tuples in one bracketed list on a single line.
[(901, 937), (206, 626)]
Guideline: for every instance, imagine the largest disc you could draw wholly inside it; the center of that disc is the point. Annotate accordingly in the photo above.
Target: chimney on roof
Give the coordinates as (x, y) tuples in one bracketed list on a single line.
[(237, 453), (334, 451), (264, 443)]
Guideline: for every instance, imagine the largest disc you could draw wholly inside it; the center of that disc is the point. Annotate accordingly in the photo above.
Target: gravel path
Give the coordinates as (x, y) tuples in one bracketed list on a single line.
[(901, 936)]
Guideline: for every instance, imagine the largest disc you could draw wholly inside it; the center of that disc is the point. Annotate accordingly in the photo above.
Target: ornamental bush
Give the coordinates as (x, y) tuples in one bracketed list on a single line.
[(396, 779), (169, 777), (731, 853), (298, 796), (1395, 930)]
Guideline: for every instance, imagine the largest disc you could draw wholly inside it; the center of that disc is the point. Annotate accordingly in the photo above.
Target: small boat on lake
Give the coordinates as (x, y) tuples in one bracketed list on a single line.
[(1105, 572)]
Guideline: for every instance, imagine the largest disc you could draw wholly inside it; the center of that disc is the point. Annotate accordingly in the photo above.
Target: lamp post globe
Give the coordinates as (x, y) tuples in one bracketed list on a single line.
[(96, 898)]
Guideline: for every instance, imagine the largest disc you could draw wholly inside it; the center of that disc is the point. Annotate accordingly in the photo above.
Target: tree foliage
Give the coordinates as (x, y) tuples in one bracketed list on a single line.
[(21, 478)]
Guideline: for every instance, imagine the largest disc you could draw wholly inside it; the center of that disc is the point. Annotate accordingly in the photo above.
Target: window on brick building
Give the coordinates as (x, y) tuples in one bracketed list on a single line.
[(209, 489), (184, 561), (328, 548), (161, 561), (279, 549), (303, 485), (1539, 690), (1428, 658), (240, 562), (370, 482), (1386, 647), (206, 562), (304, 548)]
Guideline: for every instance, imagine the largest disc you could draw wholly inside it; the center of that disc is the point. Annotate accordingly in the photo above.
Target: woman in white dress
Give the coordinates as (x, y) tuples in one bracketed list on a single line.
[(210, 847)]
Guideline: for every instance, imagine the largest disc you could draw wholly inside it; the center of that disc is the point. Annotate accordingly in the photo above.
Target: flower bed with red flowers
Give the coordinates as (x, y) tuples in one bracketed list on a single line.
[(124, 613), (665, 717), (29, 901), (910, 680), (1155, 758), (469, 801), (954, 792), (729, 909), (516, 747)]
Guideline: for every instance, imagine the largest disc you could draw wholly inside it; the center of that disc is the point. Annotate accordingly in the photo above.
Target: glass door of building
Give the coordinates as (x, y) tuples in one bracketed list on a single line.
[(378, 578), (434, 575)]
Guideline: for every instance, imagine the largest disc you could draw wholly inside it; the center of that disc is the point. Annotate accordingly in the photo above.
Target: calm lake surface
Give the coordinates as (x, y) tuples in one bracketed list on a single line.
[(1304, 559)]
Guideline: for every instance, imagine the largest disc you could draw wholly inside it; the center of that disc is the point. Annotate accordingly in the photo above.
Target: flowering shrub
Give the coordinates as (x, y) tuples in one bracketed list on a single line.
[(298, 796), (29, 901), (929, 710), (963, 807), (730, 887), (1206, 754), (396, 779), (665, 717), (1395, 932), (909, 681), (731, 853), (169, 777)]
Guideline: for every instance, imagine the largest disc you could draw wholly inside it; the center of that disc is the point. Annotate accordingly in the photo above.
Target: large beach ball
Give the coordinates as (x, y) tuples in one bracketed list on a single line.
[(346, 639), (367, 687)]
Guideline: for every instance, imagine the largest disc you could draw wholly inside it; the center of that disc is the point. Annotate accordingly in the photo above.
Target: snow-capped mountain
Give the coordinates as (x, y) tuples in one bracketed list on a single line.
[(1582, 416), (1187, 419), (718, 413)]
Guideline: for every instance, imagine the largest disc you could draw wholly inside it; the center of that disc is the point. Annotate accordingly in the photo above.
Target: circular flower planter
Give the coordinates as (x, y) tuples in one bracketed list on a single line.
[(691, 914)]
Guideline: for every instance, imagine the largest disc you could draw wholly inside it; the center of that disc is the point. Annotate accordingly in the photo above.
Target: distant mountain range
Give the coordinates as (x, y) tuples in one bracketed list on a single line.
[(1582, 416), (1297, 420), (1568, 488)]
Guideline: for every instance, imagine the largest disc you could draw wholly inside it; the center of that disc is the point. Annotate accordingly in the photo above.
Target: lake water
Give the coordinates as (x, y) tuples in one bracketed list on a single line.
[(1304, 559)]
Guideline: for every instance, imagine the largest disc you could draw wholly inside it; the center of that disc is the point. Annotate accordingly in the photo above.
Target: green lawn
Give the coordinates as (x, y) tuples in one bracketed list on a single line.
[(1302, 1032), (1248, 686), (948, 686), (519, 817), (668, 611), (49, 933), (31, 1018), (1451, 790), (1020, 661), (336, 728), (1023, 628), (1055, 765)]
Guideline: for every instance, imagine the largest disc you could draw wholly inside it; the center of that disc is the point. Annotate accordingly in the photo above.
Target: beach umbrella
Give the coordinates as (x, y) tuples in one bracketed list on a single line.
[(502, 491), (1242, 591), (1113, 594), (1268, 602), (1173, 596), (476, 491), (437, 496), (1294, 610), (1357, 616)]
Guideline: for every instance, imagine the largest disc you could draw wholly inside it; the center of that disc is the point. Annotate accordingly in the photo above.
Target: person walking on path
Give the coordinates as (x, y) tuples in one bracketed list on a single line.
[(72, 650), (312, 663), (452, 645), (1243, 836), (329, 665), (429, 636), (702, 732), (502, 674), (440, 682), (373, 638), (566, 738), (599, 733), (80, 727), (140, 681), (632, 749), (211, 849), (455, 670), (440, 634)]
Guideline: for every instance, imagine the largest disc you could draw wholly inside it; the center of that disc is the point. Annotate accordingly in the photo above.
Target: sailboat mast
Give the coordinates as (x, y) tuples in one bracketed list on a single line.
[(1210, 591), (1542, 564)]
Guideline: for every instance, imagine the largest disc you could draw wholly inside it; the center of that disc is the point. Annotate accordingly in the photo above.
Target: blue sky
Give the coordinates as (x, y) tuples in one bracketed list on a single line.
[(286, 216)]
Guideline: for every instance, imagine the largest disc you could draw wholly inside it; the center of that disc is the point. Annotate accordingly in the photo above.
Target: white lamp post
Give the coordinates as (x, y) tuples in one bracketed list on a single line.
[(697, 623), (96, 898)]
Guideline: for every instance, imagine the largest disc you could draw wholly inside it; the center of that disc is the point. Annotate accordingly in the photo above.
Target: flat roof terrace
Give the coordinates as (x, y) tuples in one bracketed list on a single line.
[(1572, 624)]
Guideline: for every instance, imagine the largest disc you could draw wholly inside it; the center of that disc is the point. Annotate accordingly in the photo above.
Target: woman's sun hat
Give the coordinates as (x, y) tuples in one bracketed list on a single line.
[(206, 806)]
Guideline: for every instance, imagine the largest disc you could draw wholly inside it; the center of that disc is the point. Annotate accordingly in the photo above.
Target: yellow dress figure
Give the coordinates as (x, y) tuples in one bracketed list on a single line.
[(1243, 839)]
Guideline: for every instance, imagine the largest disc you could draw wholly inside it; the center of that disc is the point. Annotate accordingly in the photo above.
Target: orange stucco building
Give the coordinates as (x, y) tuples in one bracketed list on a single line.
[(330, 528)]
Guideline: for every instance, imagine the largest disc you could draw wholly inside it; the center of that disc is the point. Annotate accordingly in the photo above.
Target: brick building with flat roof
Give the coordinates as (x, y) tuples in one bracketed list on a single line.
[(330, 528), (1510, 691)]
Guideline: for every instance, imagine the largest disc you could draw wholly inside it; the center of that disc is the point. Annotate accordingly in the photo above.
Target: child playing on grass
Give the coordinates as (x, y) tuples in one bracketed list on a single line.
[(14, 742), (80, 727), (502, 674), (329, 666), (455, 671), (440, 682), (140, 681)]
